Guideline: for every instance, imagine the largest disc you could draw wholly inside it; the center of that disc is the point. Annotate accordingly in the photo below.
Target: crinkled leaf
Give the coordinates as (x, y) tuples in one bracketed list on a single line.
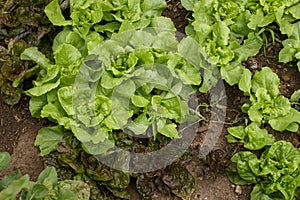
[(108, 81), (209, 80), (255, 114), (53, 111), (38, 191), (121, 193), (241, 21), (260, 20), (294, 10), (180, 181), (98, 148), (285, 153), (257, 138), (42, 89), (221, 33), (153, 7), (65, 97), (93, 40), (189, 49), (120, 180), (267, 79), (139, 125), (276, 171), (249, 48), (252, 136), (102, 107), (67, 36), (80, 190), (235, 178), (165, 22), (245, 161), (282, 123), (35, 55), (173, 108), (66, 55), (287, 53), (258, 193), (281, 106)]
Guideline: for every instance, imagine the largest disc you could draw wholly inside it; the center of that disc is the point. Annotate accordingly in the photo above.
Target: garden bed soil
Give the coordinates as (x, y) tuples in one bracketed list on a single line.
[(18, 129)]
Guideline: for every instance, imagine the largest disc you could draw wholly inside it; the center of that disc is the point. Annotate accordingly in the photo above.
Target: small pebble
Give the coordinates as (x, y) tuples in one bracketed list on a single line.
[(286, 78), (238, 189)]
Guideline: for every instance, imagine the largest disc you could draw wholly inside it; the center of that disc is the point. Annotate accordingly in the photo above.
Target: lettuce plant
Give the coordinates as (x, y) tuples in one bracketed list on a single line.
[(266, 105), (291, 46), (276, 174), (252, 136), (72, 162), (221, 27), (106, 17), (152, 100), (230, 31), (135, 92), (46, 187), (22, 24)]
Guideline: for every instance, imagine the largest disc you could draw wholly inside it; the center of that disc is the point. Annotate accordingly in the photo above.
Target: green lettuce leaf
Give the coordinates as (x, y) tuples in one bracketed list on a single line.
[(275, 174), (266, 79), (42, 89), (55, 15), (15, 187), (283, 123), (33, 54), (4, 160), (48, 138), (252, 136), (260, 20)]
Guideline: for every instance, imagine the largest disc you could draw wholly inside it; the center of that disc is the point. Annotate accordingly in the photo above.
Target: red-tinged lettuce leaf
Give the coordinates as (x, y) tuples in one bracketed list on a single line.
[(74, 189), (145, 186), (179, 180), (95, 170)]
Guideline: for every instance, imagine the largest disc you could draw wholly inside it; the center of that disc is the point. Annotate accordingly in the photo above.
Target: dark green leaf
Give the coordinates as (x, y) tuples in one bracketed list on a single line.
[(180, 181)]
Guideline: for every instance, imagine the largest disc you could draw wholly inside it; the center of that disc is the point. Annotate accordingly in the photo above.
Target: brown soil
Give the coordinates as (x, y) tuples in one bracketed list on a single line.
[(177, 13), (17, 132), (18, 129)]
